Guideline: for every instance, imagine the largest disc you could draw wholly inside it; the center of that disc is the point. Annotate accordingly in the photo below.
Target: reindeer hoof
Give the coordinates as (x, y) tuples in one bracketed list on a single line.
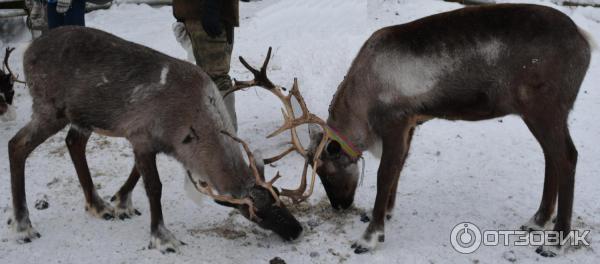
[(100, 209), (358, 249), (25, 231), (364, 218), (26, 240), (368, 242), (531, 225), (547, 251), (124, 207), (108, 216), (165, 241), (164, 249)]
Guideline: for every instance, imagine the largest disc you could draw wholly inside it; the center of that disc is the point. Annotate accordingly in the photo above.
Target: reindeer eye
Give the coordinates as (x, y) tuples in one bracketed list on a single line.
[(334, 149)]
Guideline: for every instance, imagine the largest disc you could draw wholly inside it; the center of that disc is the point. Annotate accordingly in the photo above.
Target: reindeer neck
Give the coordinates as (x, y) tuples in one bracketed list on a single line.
[(348, 116)]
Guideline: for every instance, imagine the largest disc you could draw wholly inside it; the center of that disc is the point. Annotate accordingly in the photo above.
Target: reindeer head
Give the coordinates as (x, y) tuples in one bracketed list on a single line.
[(338, 170), (7, 81), (260, 203), (272, 215), (265, 208), (329, 154), (259, 206)]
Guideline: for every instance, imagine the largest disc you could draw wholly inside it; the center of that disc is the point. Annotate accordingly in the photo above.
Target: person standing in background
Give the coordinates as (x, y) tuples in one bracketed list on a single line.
[(66, 12), (210, 25)]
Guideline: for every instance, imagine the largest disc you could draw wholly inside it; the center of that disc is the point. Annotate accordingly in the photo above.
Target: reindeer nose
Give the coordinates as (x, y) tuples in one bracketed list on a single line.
[(294, 232), (335, 205), (282, 222), (341, 205), (346, 204)]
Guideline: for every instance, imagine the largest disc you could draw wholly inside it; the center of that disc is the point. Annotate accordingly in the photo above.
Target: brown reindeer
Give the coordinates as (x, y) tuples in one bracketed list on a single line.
[(100, 83), (470, 64)]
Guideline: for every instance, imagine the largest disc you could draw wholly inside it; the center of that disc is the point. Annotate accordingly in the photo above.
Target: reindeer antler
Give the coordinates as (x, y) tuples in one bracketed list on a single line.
[(205, 188), (290, 123), (259, 181), (260, 77), (6, 55)]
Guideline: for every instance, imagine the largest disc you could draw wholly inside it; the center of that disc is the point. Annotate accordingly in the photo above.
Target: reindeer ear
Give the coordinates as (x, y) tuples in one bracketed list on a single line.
[(260, 163), (314, 131), (187, 139), (191, 136)]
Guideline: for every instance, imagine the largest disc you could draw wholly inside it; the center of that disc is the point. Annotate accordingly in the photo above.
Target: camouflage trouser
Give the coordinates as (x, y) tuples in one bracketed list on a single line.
[(213, 55)]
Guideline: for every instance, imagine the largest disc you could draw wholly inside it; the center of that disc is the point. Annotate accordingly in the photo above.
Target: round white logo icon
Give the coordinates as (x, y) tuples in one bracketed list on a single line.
[(465, 238)]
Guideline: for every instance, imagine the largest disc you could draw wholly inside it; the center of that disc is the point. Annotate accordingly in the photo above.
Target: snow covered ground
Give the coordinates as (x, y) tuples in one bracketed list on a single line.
[(488, 173)]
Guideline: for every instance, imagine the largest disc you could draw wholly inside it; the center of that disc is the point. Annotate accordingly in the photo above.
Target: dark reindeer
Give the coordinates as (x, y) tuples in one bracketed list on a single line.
[(7, 93), (470, 64), (113, 87)]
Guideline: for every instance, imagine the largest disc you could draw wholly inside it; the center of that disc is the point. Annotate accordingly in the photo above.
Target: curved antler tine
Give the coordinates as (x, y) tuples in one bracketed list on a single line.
[(251, 159), (263, 69), (297, 195), (247, 65), (291, 121), (207, 190), (237, 86), (317, 159), (295, 92), (6, 56), (295, 85), (288, 123), (277, 176), (260, 77), (258, 179), (280, 156)]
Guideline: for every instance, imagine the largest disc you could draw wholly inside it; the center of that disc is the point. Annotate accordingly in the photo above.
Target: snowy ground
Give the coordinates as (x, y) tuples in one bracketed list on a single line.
[(489, 173)]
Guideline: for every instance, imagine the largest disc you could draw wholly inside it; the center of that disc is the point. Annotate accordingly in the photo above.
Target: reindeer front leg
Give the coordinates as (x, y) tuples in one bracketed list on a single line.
[(395, 150), (161, 237), (76, 141)]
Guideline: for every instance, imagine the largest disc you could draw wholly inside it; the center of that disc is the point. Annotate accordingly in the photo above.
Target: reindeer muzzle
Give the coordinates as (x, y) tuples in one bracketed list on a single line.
[(276, 218)]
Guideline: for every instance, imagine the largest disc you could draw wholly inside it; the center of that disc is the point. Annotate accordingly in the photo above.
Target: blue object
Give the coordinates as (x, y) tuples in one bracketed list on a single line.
[(74, 16)]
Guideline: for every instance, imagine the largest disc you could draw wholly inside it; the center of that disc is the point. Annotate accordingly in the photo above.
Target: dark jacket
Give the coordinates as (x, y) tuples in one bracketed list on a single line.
[(192, 9)]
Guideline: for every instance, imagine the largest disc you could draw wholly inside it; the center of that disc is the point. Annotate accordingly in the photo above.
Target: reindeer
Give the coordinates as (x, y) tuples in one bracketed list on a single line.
[(7, 81), (160, 105), (472, 64)]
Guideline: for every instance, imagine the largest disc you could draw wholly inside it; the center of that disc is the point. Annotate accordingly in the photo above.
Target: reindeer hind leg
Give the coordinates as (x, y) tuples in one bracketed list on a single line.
[(541, 219), (122, 199), (551, 131), (19, 147)]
